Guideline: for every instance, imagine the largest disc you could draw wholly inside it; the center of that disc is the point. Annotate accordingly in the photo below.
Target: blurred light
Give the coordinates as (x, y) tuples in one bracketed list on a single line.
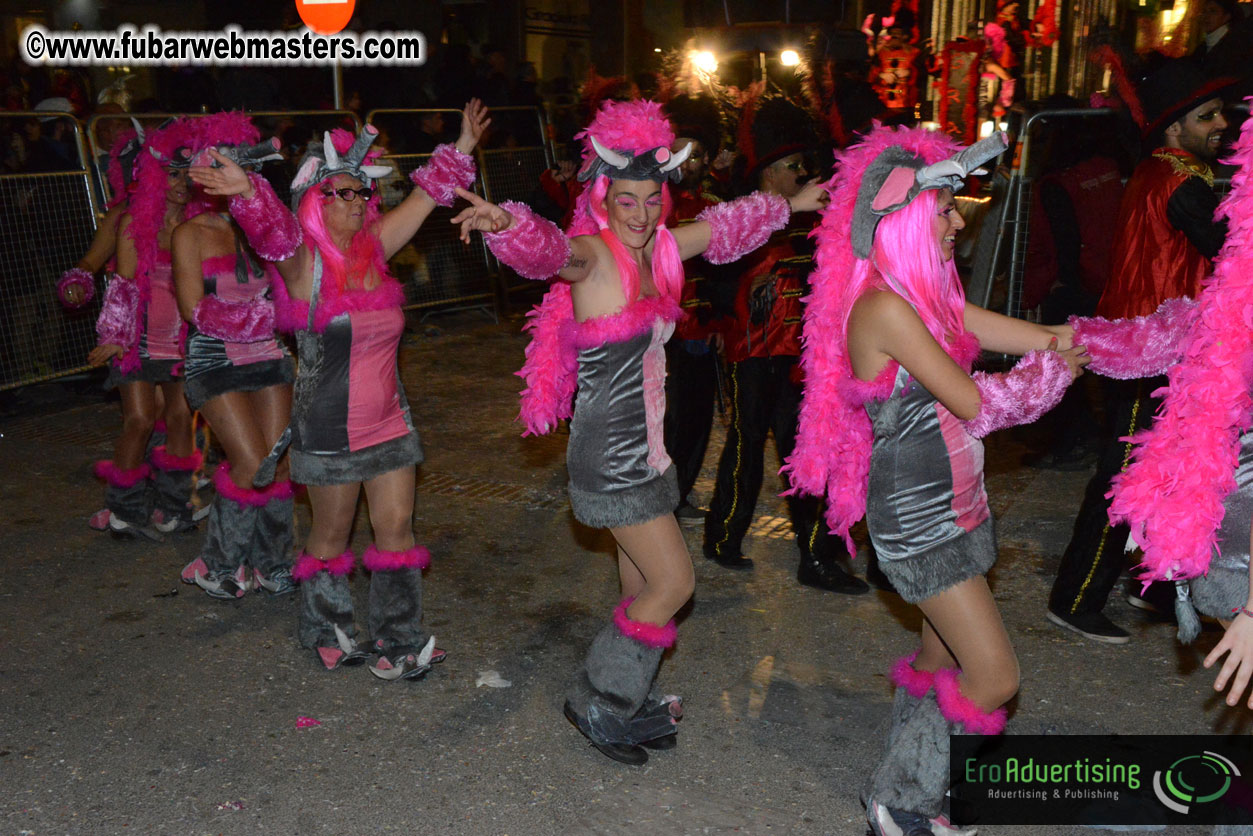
[(986, 128), (656, 49), (789, 58), (930, 126), (705, 61)]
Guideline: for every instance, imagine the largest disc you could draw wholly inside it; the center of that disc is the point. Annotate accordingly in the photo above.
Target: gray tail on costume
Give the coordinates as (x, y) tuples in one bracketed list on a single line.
[(612, 686)]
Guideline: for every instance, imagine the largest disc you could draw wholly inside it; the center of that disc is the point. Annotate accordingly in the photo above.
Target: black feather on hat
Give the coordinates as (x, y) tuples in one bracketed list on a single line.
[(773, 128), (696, 117)]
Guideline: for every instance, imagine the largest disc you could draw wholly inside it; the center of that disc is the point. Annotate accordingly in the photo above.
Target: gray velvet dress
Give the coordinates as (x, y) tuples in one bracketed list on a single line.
[(927, 510), (1226, 586)]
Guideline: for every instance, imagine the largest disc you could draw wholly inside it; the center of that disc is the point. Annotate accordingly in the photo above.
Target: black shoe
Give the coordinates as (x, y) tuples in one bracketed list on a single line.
[(1094, 626), (688, 514), (627, 753), (829, 576), (731, 561), (662, 744), (1158, 601)]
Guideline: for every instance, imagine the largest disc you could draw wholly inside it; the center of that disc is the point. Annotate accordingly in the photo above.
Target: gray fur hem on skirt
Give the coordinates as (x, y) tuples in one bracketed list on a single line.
[(921, 576), (206, 386), (149, 371), (357, 466), (654, 498), (1220, 592)]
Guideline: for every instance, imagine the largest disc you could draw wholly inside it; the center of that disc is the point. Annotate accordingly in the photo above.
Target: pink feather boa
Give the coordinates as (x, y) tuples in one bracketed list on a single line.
[(236, 322), (740, 226), (447, 170), (1183, 467), (414, 557), (292, 315), (833, 440), (1146, 346), (533, 247), (960, 709), (306, 566), (650, 635), (76, 277), (164, 460), (272, 230), (110, 473), (1021, 395), (119, 320)]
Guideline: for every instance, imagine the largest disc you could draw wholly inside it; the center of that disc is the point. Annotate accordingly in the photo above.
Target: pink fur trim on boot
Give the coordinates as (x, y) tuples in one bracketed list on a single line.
[(377, 560), (306, 566), (447, 169), (905, 675), (958, 708), (646, 634), (76, 277), (533, 247), (271, 228), (236, 322), (741, 226), (119, 478), (244, 496), (165, 461), (1020, 395), (1126, 349)]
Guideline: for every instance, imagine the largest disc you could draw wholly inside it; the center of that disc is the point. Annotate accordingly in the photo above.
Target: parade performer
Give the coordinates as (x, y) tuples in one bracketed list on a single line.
[(603, 327), (141, 334), (351, 428), (238, 375), (891, 428)]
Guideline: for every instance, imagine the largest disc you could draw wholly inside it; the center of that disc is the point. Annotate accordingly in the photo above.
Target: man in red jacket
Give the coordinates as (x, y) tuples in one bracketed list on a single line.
[(1165, 239)]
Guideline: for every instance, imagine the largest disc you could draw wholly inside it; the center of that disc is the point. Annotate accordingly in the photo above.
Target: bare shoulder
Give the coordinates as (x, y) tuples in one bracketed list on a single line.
[(881, 308)]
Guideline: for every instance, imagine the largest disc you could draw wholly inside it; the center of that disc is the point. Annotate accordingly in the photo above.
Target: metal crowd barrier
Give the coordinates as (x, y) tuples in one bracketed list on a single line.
[(47, 220)]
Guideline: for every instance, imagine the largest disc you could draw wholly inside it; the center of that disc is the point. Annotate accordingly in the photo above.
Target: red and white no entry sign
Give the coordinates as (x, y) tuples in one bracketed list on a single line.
[(326, 17)]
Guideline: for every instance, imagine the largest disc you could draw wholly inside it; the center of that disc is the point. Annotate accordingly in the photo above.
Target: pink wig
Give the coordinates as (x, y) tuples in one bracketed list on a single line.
[(345, 270), (832, 454), (117, 181)]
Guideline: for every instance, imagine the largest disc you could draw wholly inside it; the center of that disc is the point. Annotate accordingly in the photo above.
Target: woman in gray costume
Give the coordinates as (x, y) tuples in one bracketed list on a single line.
[(890, 427), (351, 428), (604, 326)]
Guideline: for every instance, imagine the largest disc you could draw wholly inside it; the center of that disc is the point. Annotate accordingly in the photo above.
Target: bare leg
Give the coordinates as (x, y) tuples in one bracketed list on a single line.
[(334, 507), (138, 415), (966, 622), (658, 553), (177, 415), (238, 428), (390, 497), (272, 406), (629, 576)]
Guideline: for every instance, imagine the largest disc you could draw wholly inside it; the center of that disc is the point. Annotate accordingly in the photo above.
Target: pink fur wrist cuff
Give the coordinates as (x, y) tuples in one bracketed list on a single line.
[(1145, 346), (76, 277), (741, 226), (1020, 395), (119, 316), (272, 230), (535, 248), (235, 322), (447, 170)]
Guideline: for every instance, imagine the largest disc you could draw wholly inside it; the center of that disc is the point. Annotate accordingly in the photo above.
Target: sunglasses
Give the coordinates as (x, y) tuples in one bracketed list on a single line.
[(349, 195)]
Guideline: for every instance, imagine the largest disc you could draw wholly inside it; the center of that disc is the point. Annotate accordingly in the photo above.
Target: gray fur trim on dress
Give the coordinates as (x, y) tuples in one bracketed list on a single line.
[(203, 388), (358, 466), (149, 371), (642, 503), (1220, 591), (922, 576)]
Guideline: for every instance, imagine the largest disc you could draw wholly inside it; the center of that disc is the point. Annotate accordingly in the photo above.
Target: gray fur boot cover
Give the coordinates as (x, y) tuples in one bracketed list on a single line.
[(913, 774), (396, 599), (273, 537), (228, 536), (325, 600), (172, 480), (131, 504), (616, 678)]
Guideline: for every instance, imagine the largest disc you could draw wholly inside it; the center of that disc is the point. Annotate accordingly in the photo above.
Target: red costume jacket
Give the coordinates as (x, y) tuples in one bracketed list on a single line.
[(767, 321), (698, 324), (1153, 259)]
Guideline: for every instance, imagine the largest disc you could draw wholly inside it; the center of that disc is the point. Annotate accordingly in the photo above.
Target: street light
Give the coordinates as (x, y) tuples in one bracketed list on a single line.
[(705, 61), (789, 58)]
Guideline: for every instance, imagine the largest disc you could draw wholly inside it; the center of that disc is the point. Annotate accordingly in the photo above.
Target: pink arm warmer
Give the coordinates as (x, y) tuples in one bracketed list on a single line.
[(447, 169), (236, 322), (535, 248), (1141, 347), (76, 277), (1020, 395), (271, 228), (740, 226), (119, 316)]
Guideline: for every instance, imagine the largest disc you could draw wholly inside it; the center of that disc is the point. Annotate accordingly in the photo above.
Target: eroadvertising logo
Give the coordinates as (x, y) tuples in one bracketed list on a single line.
[(1101, 780)]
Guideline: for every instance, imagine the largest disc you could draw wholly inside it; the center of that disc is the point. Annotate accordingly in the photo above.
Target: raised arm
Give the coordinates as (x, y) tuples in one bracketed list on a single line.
[(450, 167), (534, 247), (727, 231), (997, 332)]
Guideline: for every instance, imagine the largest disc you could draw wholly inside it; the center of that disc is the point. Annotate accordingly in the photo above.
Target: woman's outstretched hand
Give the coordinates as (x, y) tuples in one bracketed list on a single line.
[(1237, 646), (102, 354), (474, 120), (810, 198), (227, 181), (1076, 357), (480, 215)]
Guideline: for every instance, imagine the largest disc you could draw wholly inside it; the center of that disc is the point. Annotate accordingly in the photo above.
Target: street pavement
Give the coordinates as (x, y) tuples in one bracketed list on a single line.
[(133, 703)]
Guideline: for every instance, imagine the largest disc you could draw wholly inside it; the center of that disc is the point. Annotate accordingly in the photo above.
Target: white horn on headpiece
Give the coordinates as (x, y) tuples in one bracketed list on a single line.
[(678, 159), (139, 129), (328, 149), (615, 159)]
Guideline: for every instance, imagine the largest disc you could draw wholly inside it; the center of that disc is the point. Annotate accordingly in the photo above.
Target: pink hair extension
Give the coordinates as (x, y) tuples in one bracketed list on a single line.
[(306, 566), (290, 315), (904, 675), (1183, 467), (271, 228), (1020, 395), (447, 169), (1146, 346), (960, 709), (343, 271), (649, 635), (244, 496), (533, 247), (741, 226), (109, 472), (414, 557), (237, 322), (164, 460), (76, 277)]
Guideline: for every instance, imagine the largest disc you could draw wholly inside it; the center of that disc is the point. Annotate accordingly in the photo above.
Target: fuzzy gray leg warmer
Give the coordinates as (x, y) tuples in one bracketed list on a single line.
[(131, 504), (228, 536), (273, 538), (913, 774), (172, 490), (326, 618), (396, 600)]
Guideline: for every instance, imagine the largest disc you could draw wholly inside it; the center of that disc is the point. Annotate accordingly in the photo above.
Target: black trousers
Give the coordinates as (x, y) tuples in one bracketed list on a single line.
[(1094, 558), (763, 399), (691, 384)]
